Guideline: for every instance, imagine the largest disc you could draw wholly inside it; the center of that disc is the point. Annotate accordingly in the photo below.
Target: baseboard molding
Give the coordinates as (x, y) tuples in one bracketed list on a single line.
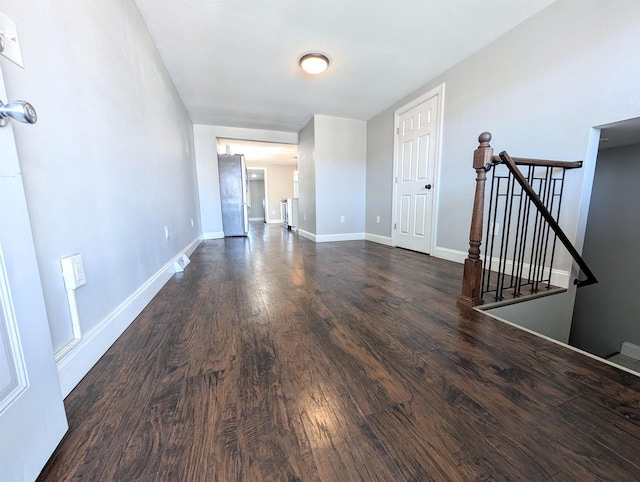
[(449, 254), (329, 238), (631, 350), (213, 235), (559, 277), (307, 234), (275, 221), (256, 219), (84, 354), (386, 240)]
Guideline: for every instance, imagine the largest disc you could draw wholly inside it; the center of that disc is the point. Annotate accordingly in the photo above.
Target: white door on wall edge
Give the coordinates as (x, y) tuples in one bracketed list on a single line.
[(414, 177), (32, 416)]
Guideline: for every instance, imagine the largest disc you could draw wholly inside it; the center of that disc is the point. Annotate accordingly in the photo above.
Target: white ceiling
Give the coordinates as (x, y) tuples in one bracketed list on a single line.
[(618, 134), (234, 63)]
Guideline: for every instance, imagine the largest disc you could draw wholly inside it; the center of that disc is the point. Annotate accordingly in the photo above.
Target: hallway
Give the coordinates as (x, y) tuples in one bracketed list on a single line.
[(274, 358)]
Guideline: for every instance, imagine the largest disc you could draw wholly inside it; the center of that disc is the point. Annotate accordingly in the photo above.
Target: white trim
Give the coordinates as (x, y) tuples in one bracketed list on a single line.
[(449, 254), (328, 238), (629, 349), (256, 219), (307, 234), (436, 91), (77, 361), (275, 221), (376, 238), (213, 235), (14, 351), (559, 277), (553, 340)]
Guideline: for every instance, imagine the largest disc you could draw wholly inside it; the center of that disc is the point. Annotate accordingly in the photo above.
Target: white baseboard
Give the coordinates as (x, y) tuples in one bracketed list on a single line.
[(329, 238), (256, 219), (213, 235), (275, 221), (631, 350), (83, 355), (307, 234), (449, 254), (558, 277), (386, 240)]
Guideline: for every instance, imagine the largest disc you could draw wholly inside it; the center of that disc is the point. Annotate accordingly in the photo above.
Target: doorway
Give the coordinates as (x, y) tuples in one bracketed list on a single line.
[(276, 163), (605, 316), (257, 194), (416, 166)]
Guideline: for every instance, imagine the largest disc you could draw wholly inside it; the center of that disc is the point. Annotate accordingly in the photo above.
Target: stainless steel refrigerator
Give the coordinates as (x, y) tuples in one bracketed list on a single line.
[(233, 194)]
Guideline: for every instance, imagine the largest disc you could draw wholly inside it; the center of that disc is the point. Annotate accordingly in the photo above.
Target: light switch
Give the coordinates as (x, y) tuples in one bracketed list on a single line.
[(73, 272), (9, 41)]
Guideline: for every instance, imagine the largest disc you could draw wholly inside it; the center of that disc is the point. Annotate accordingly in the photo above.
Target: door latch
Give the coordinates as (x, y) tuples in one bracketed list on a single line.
[(19, 110)]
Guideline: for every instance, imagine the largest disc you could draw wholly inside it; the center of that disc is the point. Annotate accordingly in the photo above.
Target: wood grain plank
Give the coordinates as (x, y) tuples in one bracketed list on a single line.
[(271, 439), (203, 444), (532, 425), (343, 443)]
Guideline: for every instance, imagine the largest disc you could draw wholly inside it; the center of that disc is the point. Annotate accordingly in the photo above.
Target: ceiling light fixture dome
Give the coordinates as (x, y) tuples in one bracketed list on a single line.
[(314, 63)]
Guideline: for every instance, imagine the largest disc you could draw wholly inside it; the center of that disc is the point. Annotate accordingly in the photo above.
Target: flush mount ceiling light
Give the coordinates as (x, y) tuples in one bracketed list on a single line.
[(314, 63)]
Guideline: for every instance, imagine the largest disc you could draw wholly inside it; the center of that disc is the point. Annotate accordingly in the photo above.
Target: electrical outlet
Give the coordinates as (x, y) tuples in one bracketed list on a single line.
[(377, 219), (166, 232), (73, 272), (342, 219), (494, 229)]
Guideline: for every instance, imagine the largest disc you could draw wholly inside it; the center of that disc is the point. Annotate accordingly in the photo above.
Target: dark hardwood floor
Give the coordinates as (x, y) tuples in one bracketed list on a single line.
[(274, 358)]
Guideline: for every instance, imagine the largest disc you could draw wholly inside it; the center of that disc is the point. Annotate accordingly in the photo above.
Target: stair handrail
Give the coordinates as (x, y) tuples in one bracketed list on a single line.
[(544, 212), (483, 161)]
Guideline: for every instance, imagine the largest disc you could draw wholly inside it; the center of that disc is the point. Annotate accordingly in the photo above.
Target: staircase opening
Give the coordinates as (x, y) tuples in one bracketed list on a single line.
[(606, 319)]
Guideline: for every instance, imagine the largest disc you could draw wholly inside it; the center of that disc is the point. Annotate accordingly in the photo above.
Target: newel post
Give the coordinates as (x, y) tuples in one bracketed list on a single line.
[(472, 278)]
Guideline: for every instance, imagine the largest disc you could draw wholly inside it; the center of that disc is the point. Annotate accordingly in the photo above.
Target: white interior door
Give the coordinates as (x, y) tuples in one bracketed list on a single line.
[(415, 167), (32, 417)]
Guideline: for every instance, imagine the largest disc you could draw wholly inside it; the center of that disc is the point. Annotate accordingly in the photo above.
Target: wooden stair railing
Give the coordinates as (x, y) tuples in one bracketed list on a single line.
[(477, 278)]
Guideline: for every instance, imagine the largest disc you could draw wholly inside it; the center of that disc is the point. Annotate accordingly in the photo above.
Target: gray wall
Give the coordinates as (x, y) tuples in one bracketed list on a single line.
[(257, 195), (379, 174), (307, 178), (539, 89), (608, 314), (340, 161), (110, 161)]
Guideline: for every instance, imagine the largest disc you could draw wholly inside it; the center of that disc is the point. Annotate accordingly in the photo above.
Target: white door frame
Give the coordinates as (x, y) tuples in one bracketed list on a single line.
[(439, 92)]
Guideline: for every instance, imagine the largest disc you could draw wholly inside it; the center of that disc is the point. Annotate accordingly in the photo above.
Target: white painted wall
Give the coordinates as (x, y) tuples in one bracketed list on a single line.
[(539, 89), (608, 314), (340, 161), (108, 165), (206, 153), (279, 185)]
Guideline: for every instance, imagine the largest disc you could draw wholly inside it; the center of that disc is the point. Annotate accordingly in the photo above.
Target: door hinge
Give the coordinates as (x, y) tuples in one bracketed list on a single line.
[(394, 226), (398, 130)]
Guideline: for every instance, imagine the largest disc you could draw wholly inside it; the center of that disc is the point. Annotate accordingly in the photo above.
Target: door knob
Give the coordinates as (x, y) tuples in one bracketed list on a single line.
[(19, 110), (428, 186)]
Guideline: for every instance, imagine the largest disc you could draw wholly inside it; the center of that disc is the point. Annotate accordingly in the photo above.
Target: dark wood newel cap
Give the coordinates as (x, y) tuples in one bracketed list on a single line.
[(484, 139)]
